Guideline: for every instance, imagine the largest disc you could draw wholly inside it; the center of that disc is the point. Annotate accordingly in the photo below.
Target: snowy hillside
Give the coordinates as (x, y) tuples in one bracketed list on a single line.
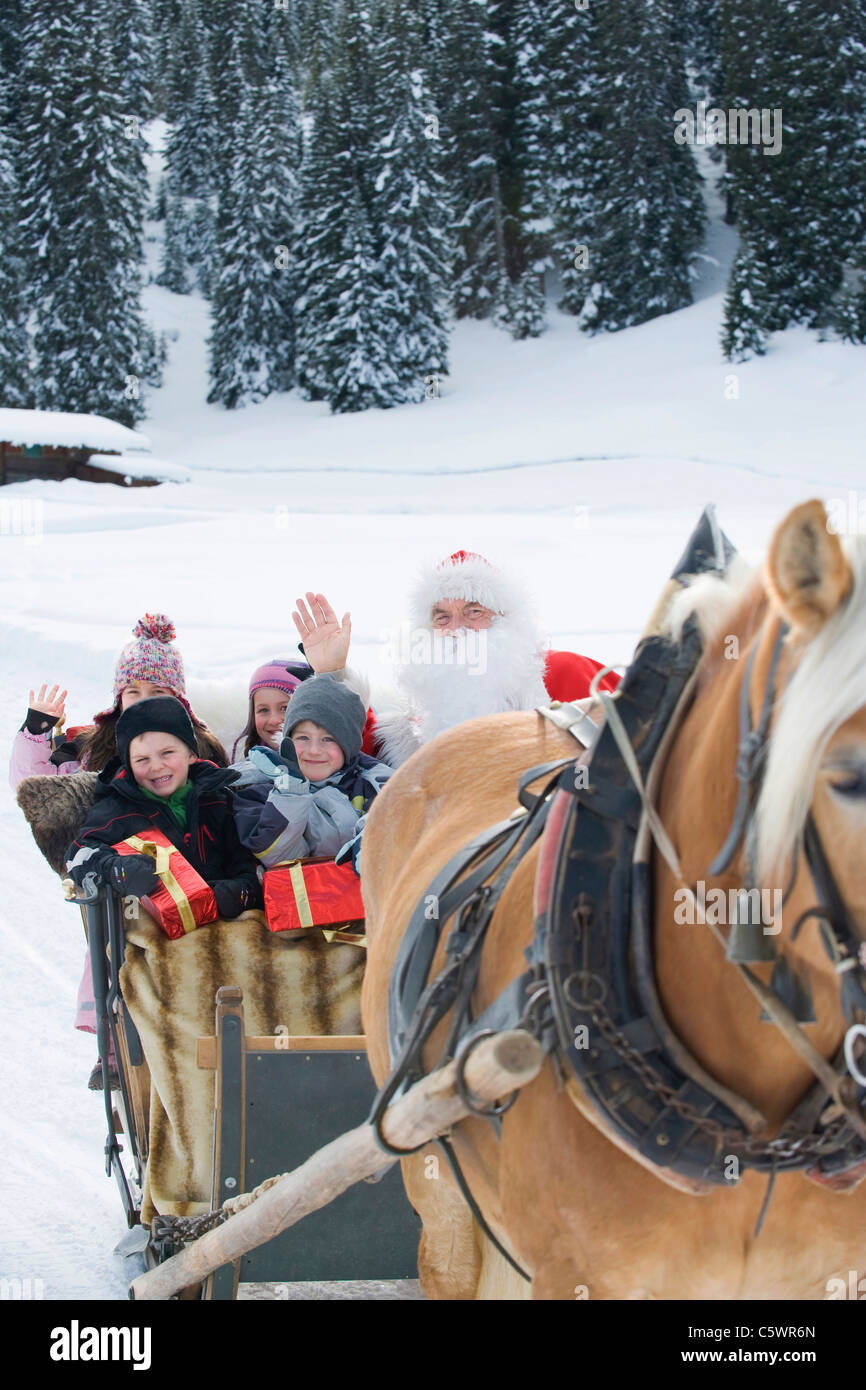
[(582, 463)]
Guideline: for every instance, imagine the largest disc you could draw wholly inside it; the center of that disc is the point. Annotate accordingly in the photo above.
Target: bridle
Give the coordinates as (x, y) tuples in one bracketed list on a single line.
[(839, 936)]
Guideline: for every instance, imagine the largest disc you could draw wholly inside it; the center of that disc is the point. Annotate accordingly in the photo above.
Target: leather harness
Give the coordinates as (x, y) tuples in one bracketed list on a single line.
[(589, 993)]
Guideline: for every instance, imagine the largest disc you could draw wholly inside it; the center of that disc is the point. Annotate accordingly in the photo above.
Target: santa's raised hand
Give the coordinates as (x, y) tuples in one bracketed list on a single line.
[(326, 641)]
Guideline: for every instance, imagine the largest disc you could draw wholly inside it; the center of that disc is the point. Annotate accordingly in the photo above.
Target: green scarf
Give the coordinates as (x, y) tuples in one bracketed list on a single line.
[(176, 803)]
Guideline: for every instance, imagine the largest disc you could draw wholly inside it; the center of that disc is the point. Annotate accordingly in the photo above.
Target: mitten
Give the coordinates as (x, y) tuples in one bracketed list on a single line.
[(133, 875), (38, 722), (271, 765), (234, 896)]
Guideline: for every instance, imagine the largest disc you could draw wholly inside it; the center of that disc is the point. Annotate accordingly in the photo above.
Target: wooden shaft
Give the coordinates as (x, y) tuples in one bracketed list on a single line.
[(497, 1066)]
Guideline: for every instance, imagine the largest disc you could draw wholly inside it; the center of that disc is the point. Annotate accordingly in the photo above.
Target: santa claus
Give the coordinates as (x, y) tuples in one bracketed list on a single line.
[(471, 647)]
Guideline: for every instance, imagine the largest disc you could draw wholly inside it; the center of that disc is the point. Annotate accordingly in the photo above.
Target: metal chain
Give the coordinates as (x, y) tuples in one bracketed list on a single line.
[(778, 1148)]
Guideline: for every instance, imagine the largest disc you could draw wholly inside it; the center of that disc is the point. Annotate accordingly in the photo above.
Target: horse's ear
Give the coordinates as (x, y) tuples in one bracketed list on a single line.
[(807, 569)]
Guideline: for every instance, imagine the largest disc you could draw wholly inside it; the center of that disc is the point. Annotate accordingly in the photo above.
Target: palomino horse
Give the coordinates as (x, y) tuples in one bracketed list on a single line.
[(576, 1210)]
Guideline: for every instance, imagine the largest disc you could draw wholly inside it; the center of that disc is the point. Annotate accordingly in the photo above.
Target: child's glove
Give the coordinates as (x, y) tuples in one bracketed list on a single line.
[(351, 850), (271, 765), (133, 875), (234, 896)]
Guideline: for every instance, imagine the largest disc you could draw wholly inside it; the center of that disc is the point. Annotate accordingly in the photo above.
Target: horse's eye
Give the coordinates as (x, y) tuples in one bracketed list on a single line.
[(851, 784)]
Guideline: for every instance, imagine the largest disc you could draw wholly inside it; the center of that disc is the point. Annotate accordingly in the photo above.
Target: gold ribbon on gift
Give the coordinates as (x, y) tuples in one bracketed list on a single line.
[(161, 856), (351, 938), (305, 915)]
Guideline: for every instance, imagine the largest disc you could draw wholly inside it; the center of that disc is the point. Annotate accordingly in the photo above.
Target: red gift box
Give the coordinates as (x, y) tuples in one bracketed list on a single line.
[(184, 901), (315, 893)]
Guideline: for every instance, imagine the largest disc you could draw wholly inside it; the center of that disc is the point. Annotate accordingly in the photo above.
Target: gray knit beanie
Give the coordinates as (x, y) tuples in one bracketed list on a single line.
[(334, 706)]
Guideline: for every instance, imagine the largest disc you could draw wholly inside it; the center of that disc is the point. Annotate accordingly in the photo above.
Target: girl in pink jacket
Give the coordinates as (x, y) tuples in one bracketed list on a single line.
[(149, 665)]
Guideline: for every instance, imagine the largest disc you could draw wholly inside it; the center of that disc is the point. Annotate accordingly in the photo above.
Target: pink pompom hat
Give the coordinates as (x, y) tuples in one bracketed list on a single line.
[(150, 657), (274, 675)]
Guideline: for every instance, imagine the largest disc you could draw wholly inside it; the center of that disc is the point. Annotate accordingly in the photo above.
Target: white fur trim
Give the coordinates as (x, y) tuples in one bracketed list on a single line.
[(395, 737), (474, 578), (355, 680)]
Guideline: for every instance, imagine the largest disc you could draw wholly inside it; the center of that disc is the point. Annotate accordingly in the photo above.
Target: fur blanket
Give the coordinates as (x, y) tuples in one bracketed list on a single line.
[(290, 980), (55, 808)]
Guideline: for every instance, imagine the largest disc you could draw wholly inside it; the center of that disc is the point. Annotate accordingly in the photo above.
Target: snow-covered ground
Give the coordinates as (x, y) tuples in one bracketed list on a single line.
[(581, 463)]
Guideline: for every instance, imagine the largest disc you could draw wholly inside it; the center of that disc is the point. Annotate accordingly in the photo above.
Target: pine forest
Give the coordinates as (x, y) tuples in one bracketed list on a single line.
[(343, 179)]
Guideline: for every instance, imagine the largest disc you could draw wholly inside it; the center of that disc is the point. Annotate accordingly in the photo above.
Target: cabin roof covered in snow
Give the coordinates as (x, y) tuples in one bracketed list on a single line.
[(63, 429), (140, 466)]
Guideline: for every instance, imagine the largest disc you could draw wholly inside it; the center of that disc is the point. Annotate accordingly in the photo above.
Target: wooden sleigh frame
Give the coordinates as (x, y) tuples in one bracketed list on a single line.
[(276, 1100)]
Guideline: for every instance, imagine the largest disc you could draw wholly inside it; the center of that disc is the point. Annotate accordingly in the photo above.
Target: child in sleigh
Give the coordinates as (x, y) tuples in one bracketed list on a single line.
[(159, 782), (313, 797)]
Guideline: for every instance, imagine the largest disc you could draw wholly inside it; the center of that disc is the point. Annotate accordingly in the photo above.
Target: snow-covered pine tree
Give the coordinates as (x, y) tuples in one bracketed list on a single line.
[(11, 22), (744, 332), (43, 114), (252, 277), (16, 387), (572, 141), (849, 318), (802, 209), (647, 214), (700, 27), (199, 244), (468, 125), (165, 21), (131, 42), (82, 201), (410, 209), (522, 307), (315, 43), (805, 206), (348, 319), (173, 269), (192, 135)]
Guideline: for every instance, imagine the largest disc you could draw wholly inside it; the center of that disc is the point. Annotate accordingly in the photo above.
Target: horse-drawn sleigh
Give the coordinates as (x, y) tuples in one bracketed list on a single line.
[(687, 1117)]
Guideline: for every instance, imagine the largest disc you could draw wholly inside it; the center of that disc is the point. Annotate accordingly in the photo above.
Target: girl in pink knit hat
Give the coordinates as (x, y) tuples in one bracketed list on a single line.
[(271, 689), (149, 665)]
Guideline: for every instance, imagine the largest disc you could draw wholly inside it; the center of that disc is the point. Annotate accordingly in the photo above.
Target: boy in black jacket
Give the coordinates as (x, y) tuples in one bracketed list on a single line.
[(158, 782)]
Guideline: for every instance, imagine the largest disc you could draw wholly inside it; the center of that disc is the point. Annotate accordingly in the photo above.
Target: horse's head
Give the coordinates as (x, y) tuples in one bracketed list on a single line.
[(766, 787), (815, 772)]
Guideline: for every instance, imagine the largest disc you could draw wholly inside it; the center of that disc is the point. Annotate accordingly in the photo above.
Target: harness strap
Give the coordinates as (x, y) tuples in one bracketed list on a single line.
[(442, 899), (572, 720), (750, 755)]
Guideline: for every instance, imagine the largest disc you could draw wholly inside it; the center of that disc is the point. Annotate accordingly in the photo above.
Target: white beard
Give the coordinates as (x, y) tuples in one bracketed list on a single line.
[(502, 671)]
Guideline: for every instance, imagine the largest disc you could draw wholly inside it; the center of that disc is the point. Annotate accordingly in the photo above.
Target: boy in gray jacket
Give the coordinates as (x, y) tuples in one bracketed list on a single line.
[(312, 798)]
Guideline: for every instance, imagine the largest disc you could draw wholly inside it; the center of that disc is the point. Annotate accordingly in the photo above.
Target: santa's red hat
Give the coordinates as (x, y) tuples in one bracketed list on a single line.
[(465, 575)]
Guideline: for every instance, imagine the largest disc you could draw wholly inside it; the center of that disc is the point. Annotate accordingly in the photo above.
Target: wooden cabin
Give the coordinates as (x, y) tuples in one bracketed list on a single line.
[(58, 444)]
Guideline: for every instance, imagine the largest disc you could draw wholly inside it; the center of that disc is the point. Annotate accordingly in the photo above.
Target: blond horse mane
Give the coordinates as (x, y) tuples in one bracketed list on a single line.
[(828, 687)]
